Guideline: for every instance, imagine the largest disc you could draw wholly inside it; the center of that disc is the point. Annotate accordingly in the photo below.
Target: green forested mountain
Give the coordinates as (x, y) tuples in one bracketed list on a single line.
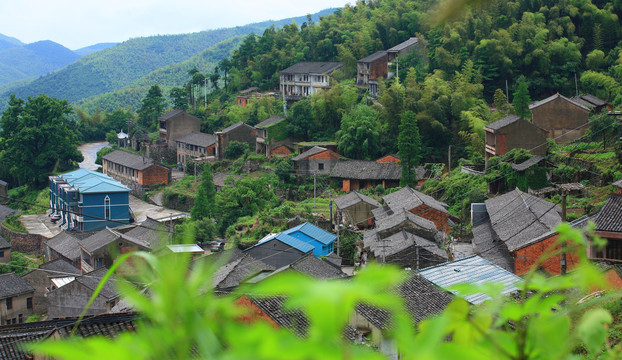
[(94, 48), (119, 66), (34, 59), (8, 42)]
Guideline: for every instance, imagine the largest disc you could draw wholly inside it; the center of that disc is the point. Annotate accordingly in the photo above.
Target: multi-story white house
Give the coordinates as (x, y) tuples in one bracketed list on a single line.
[(305, 78)]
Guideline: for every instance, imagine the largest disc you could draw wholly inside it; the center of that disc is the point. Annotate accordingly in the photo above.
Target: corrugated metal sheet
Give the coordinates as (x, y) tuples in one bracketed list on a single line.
[(185, 248), (314, 232), (293, 242), (60, 282), (471, 270)]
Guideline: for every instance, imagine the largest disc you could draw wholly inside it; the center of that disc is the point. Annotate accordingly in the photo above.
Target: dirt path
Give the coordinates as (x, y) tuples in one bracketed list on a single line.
[(89, 151)]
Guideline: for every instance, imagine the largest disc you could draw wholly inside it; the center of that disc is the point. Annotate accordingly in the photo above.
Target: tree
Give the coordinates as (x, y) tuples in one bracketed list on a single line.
[(36, 139), (205, 200), (111, 137), (409, 148), (300, 120), (501, 101), (153, 105), (359, 136), (235, 149), (521, 100), (179, 96), (392, 100), (225, 65)]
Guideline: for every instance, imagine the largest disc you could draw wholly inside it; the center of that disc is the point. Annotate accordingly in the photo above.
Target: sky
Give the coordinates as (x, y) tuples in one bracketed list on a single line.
[(80, 23)]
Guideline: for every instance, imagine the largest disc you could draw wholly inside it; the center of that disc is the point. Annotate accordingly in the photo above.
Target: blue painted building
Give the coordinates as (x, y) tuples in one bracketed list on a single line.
[(88, 200), (322, 241)]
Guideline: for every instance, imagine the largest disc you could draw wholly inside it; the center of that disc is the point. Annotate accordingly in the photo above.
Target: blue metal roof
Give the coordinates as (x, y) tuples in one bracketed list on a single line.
[(289, 240), (314, 232), (88, 181), (473, 270)]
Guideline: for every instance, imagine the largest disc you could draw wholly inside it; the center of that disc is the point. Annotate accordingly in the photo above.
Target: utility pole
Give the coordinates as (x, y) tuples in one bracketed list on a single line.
[(330, 209), (195, 172), (205, 91), (284, 102), (314, 188), (507, 92), (576, 85), (397, 68), (417, 255), (449, 161), (563, 246)]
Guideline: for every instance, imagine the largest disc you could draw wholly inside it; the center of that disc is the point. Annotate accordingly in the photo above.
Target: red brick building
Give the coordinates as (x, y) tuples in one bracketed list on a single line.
[(135, 171)]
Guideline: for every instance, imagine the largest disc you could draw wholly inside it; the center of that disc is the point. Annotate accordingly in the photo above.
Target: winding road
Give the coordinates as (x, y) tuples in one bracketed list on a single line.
[(89, 152)]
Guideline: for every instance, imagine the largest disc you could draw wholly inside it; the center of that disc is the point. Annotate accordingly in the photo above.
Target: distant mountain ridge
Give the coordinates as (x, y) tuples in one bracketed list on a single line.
[(120, 68), (94, 48)]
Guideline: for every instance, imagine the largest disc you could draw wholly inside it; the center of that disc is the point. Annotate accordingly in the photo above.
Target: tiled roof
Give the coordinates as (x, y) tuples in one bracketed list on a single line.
[(527, 163), (199, 139), (313, 151), (150, 233), (271, 121), (409, 198), (307, 67), (353, 198), (99, 240), (14, 337), (397, 242), (499, 124), (129, 159), (312, 265), (403, 219), (488, 246), (554, 97), (13, 285), (66, 244), (314, 232), (59, 268), (91, 280), (373, 57), (4, 244), (421, 297), (405, 44), (235, 272), (593, 100), (518, 217), (472, 270), (366, 170), (610, 216), (232, 127), (171, 114)]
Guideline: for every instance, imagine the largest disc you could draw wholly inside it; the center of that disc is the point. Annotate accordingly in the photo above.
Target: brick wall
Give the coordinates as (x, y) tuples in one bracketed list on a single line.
[(526, 257), (22, 242), (253, 312), (614, 279), (439, 218), (281, 151), (155, 175)]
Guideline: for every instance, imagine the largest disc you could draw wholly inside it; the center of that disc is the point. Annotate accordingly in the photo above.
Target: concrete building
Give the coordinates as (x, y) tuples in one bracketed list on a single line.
[(42, 280), (562, 118), (16, 299), (514, 132), (5, 251), (305, 78), (272, 137), (355, 208), (87, 200), (315, 161), (176, 124), (239, 132), (196, 146)]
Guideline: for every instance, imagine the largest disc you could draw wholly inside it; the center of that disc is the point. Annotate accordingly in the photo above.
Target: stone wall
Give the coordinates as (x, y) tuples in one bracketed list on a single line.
[(23, 242)]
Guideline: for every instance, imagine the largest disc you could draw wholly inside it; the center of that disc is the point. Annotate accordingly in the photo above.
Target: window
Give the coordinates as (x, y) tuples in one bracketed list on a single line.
[(14, 321), (20, 318), (107, 207), (29, 303), (1, 254), (99, 262), (320, 166), (9, 303)]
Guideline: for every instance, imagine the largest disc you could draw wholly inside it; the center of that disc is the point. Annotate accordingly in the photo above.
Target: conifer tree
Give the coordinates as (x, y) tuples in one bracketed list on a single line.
[(409, 145), (206, 196), (522, 100)]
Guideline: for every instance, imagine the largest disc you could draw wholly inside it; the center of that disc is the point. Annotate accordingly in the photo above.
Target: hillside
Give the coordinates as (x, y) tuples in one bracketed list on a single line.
[(7, 42), (120, 66), (94, 48), (34, 59)]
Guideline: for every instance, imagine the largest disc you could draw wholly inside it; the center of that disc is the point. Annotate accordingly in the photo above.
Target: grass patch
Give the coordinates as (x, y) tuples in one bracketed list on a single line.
[(12, 223), (29, 201), (321, 207)]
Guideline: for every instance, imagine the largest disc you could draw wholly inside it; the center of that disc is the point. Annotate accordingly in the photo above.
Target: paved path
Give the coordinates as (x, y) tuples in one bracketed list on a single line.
[(89, 152), (40, 224), (142, 209)]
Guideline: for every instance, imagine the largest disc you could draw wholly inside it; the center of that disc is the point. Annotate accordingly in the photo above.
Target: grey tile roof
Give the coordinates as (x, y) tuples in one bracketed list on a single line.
[(366, 170), (499, 124), (353, 198), (66, 244), (271, 121), (312, 265), (14, 337), (471, 270), (129, 159), (527, 163), (518, 217), (99, 240), (233, 127), (409, 198), (593, 100), (488, 246), (307, 67), (609, 218), (313, 151), (91, 280), (373, 57), (334, 259), (4, 244), (199, 139), (554, 97), (397, 242), (405, 44), (13, 285), (6, 211), (422, 299), (171, 114), (149, 233), (402, 219), (234, 273), (273, 306), (59, 268)]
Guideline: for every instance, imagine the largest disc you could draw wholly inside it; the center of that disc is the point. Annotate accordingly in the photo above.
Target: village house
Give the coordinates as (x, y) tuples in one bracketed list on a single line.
[(5, 251), (471, 270), (364, 174), (137, 172), (305, 237), (65, 246), (272, 137), (355, 208), (198, 147), (13, 338), (305, 78), (315, 161), (42, 280), (406, 240), (240, 266), (87, 200), (308, 145), (71, 298), (592, 102), (402, 49), (16, 299), (514, 132), (239, 132), (609, 226), (371, 69), (176, 124), (246, 94), (514, 230), (562, 118), (418, 204)]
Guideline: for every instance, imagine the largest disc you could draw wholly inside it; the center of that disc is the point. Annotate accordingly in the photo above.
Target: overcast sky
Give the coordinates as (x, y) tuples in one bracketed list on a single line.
[(79, 23)]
